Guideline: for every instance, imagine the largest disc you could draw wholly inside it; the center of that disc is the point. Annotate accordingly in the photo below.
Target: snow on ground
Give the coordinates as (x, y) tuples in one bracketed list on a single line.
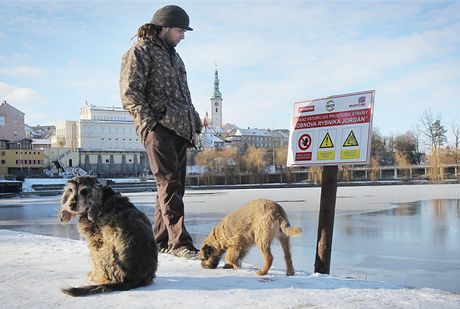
[(33, 268)]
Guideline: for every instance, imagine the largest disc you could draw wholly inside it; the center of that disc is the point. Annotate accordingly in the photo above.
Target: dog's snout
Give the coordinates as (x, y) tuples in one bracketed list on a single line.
[(73, 206)]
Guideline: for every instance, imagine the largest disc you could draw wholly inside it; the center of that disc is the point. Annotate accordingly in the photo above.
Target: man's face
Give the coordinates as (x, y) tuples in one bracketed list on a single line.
[(172, 36)]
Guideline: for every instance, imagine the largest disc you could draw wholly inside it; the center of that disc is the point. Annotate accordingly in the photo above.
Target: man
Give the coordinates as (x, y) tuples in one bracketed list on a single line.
[(154, 90)]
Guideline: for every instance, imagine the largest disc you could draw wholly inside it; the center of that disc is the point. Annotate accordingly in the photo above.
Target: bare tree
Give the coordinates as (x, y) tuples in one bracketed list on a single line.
[(374, 172), (456, 132), (405, 146), (433, 130), (281, 156), (254, 159), (402, 161), (382, 148), (230, 159), (417, 135), (205, 158)]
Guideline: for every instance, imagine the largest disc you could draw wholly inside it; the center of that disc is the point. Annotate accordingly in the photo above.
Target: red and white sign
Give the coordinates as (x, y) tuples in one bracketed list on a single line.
[(304, 142), (306, 109), (345, 119)]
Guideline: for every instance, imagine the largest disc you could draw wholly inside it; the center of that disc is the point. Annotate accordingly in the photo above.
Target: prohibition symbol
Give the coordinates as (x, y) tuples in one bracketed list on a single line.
[(304, 142)]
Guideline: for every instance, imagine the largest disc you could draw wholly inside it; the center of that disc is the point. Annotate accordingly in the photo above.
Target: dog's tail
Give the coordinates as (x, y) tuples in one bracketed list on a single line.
[(286, 228), (101, 288)]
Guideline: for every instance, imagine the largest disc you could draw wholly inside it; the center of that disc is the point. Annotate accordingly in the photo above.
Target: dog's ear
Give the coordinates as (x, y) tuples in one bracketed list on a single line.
[(69, 192), (95, 201), (207, 250)]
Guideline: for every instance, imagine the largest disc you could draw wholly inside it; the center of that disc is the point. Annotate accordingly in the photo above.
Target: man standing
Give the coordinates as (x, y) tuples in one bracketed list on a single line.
[(154, 90)]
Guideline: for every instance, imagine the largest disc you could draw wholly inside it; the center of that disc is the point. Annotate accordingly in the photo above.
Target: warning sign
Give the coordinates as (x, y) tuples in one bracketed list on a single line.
[(304, 142), (332, 130), (327, 142), (351, 140)]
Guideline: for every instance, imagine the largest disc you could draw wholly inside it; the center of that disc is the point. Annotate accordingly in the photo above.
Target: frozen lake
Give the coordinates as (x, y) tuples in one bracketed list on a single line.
[(399, 234)]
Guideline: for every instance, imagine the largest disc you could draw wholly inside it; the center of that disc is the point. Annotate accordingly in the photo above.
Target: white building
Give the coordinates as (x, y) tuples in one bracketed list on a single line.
[(99, 128), (259, 138), (210, 138), (105, 140)]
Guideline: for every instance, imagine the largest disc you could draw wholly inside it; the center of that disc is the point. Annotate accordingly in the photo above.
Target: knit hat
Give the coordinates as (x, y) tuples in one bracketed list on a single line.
[(171, 16)]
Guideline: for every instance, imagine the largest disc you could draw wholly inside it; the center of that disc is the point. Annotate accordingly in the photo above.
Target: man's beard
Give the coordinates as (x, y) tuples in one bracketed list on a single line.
[(169, 41)]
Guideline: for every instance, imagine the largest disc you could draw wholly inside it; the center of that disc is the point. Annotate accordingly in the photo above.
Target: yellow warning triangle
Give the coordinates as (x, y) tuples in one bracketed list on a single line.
[(351, 140), (327, 142)]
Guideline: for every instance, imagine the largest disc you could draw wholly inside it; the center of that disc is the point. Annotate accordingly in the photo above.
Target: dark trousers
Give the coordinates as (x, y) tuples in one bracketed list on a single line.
[(167, 154)]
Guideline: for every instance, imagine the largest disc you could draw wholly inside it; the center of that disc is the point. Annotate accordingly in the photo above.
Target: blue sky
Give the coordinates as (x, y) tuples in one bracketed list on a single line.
[(54, 55)]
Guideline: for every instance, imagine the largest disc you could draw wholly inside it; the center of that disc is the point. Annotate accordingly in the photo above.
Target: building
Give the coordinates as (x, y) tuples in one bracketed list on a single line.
[(280, 137), (103, 142), (40, 131), (211, 135), (11, 123), (259, 138), (19, 159), (216, 103), (100, 128)]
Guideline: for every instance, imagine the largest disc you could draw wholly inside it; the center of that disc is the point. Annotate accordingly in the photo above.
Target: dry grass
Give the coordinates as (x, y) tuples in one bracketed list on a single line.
[(315, 174), (403, 163), (345, 173), (374, 172), (435, 161)]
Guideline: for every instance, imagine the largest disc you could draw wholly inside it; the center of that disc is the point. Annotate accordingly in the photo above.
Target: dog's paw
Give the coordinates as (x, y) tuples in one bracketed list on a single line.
[(90, 276), (230, 266), (64, 216), (261, 272)]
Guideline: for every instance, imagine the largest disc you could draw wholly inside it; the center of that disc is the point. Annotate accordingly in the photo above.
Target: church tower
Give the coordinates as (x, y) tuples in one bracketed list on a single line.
[(216, 103)]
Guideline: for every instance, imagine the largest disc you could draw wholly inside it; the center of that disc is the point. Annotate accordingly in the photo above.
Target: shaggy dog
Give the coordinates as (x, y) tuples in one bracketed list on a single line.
[(257, 222), (119, 236)]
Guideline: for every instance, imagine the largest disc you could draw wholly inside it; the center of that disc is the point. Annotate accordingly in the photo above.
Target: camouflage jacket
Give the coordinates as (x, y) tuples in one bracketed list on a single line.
[(153, 89)]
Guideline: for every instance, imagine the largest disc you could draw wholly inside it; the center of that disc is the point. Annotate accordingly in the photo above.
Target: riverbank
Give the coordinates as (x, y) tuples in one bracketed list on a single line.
[(54, 186), (31, 277)]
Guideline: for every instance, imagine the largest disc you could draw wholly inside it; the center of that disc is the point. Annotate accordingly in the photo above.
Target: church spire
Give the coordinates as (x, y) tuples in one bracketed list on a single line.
[(216, 102), (217, 93)]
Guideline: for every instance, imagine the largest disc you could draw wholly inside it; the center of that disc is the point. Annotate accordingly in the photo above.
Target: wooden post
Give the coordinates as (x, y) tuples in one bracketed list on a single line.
[(326, 219)]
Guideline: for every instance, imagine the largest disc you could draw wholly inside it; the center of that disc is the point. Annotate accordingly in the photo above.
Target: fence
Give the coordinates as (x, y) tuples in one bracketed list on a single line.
[(355, 174)]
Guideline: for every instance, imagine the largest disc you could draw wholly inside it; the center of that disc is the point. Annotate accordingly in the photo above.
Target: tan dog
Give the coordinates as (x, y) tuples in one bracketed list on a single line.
[(119, 236), (258, 222)]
